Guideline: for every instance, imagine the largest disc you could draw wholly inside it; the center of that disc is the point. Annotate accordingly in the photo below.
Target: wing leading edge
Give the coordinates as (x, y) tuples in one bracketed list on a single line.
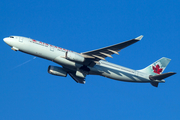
[(102, 53)]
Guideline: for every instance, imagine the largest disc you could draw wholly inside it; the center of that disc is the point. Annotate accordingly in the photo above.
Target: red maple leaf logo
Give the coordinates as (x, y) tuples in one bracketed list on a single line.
[(157, 69)]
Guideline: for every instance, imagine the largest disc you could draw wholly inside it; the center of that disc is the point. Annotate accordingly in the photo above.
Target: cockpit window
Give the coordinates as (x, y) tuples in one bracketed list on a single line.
[(11, 37)]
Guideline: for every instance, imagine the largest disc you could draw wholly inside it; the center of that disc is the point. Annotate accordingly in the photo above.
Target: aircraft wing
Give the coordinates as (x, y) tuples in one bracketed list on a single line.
[(102, 53), (77, 79)]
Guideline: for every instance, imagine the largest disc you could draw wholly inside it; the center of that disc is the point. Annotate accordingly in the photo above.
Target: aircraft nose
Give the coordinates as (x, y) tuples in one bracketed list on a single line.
[(7, 41)]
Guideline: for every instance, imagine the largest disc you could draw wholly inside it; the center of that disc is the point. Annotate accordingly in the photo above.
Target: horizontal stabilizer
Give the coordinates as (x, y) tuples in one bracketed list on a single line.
[(161, 76)]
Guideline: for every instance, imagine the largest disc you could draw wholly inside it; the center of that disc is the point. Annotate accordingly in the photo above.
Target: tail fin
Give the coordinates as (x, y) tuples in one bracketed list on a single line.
[(157, 67), (155, 71)]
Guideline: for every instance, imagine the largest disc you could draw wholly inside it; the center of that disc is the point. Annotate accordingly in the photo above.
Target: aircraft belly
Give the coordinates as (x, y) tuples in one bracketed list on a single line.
[(124, 77), (96, 70), (118, 74), (64, 62)]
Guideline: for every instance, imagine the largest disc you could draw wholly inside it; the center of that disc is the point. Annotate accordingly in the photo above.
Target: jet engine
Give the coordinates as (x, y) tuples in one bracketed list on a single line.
[(74, 57), (54, 70)]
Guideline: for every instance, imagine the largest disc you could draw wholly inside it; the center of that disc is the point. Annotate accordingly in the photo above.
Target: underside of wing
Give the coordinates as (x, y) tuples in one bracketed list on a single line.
[(77, 79), (102, 53)]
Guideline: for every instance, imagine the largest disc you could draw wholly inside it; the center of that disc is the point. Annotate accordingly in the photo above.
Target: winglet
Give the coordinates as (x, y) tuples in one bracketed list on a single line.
[(139, 38)]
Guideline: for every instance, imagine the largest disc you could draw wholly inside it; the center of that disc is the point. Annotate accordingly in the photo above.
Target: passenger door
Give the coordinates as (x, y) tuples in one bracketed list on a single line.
[(20, 39), (51, 48)]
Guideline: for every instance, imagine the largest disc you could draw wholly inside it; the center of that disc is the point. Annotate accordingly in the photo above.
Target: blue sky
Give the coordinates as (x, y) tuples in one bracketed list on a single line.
[(29, 92)]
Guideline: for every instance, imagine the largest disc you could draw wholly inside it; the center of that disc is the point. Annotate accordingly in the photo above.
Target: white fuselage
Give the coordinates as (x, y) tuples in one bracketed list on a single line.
[(57, 55)]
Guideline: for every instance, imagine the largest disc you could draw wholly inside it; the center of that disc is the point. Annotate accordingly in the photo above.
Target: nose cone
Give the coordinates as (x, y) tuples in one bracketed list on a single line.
[(7, 41)]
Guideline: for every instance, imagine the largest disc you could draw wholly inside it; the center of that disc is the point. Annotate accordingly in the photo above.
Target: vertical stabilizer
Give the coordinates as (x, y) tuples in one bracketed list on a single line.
[(157, 67)]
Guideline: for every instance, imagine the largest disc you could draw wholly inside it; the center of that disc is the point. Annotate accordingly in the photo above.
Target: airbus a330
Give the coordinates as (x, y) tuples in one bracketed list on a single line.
[(79, 65)]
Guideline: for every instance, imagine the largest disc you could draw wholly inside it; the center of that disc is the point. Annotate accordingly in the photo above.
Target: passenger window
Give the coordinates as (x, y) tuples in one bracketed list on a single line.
[(11, 37)]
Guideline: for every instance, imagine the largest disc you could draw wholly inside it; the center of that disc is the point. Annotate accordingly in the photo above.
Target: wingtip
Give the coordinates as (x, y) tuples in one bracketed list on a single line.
[(139, 38), (173, 73)]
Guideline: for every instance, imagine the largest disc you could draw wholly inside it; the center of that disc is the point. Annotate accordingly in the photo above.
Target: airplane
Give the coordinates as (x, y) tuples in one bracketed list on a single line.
[(79, 65)]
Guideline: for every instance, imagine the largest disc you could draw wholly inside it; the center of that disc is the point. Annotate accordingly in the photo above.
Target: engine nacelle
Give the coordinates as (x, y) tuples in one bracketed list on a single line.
[(74, 57), (54, 70)]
